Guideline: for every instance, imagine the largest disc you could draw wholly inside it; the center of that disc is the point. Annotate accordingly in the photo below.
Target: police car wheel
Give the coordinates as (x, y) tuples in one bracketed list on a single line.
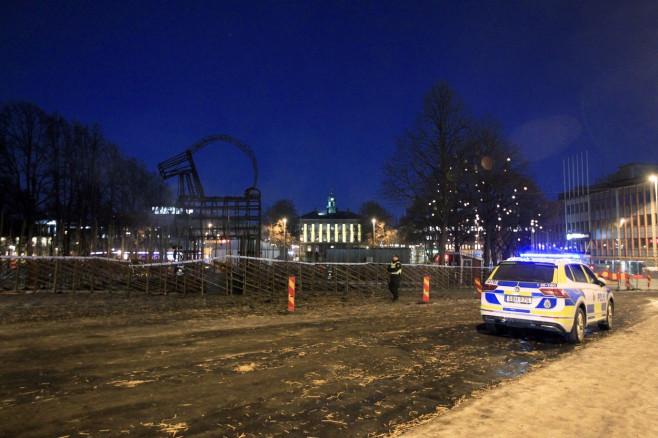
[(606, 324), (493, 328), (577, 333)]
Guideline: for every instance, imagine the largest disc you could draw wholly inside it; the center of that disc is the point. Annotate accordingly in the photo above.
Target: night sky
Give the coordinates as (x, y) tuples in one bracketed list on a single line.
[(320, 90)]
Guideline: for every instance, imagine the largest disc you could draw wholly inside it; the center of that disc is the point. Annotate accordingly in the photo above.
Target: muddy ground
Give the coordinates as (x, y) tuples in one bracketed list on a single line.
[(112, 365)]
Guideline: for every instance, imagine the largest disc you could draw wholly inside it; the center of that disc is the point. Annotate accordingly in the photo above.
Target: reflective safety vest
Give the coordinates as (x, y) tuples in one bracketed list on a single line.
[(395, 268)]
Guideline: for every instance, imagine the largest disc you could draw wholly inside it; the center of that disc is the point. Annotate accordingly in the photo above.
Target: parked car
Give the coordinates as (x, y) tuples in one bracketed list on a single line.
[(555, 293)]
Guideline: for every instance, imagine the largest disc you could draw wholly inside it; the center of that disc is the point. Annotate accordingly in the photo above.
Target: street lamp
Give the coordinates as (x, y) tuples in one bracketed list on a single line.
[(621, 222), (373, 231), (477, 231), (285, 252), (654, 205), (211, 252)]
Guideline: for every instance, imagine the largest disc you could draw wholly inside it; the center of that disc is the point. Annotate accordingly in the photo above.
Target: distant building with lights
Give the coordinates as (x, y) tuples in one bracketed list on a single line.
[(614, 221), (331, 228)]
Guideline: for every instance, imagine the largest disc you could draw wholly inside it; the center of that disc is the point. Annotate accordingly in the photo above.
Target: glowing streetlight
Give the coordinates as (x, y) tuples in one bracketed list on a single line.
[(373, 231), (210, 236), (654, 206), (621, 222)]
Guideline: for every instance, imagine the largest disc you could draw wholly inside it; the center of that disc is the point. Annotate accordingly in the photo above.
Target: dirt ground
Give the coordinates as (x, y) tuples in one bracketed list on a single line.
[(113, 365), (607, 389)]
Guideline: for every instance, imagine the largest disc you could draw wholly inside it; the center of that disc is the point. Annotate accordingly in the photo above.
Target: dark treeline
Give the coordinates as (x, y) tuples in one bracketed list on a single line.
[(65, 189)]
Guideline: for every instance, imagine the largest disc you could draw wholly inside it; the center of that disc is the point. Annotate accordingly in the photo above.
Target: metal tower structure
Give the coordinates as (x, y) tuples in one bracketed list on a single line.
[(201, 219)]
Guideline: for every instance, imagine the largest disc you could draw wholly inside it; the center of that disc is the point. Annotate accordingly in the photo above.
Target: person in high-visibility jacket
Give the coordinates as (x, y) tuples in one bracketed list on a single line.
[(395, 270)]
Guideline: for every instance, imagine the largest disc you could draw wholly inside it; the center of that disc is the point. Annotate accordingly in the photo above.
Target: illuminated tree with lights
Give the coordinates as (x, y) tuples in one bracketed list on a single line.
[(274, 232), (461, 180), (425, 172), (506, 200)]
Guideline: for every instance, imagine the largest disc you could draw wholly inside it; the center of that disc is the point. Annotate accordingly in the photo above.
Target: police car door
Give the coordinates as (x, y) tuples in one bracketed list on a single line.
[(600, 293), (590, 290)]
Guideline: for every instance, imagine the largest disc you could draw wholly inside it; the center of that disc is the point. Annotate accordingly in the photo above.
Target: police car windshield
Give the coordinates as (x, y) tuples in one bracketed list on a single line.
[(525, 271)]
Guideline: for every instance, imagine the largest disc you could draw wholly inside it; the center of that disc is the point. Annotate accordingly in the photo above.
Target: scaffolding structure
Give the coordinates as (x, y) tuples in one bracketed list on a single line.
[(202, 222)]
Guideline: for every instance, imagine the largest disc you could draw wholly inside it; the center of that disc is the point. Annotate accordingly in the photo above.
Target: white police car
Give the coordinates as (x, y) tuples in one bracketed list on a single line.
[(558, 293)]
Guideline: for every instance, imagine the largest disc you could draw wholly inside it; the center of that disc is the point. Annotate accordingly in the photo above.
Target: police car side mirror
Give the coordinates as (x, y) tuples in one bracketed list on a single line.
[(601, 282)]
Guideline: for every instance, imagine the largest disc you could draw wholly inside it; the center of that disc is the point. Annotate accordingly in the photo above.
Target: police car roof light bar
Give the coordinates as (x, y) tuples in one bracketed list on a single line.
[(552, 256)]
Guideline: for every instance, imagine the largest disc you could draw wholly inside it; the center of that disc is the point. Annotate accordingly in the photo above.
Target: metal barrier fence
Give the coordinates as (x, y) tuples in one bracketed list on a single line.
[(233, 275)]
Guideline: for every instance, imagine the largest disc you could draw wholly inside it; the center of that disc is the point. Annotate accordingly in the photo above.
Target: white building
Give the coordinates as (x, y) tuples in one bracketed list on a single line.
[(615, 220), (321, 230)]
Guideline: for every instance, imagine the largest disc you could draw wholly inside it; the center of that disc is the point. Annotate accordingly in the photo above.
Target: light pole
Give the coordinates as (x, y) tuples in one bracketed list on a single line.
[(285, 251), (373, 231), (654, 205), (621, 222), (477, 231), (211, 252)]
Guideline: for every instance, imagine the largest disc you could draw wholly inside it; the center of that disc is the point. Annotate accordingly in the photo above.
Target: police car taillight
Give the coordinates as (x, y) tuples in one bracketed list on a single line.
[(553, 292), (489, 287)]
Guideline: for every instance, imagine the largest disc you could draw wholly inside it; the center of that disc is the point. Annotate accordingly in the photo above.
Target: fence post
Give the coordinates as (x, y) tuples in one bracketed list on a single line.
[(130, 276), (203, 270), (55, 276), (74, 282), (91, 277), (184, 280), (301, 275), (16, 267)]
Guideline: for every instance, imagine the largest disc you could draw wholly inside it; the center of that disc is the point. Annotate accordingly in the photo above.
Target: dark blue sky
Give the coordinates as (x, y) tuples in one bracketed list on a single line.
[(320, 90)]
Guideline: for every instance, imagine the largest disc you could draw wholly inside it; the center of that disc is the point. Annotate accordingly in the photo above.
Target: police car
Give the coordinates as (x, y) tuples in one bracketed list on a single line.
[(558, 293)]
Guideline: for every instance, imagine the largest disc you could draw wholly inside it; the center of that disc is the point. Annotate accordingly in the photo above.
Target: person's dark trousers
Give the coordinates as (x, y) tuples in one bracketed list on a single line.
[(394, 285)]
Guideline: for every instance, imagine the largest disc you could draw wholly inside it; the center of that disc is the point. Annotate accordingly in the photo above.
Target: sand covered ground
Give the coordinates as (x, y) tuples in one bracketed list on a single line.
[(608, 389), (107, 364)]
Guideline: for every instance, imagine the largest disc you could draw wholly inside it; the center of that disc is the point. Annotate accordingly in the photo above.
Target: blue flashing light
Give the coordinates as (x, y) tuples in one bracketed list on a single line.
[(552, 256)]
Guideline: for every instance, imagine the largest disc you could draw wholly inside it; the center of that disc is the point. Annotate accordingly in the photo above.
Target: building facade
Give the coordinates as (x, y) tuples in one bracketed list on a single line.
[(614, 221), (322, 230)]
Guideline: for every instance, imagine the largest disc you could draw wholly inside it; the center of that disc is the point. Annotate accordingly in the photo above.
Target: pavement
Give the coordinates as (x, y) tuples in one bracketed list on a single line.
[(639, 284), (605, 388)]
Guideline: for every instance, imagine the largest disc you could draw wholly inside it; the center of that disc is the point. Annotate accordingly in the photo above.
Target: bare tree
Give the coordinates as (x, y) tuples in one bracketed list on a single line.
[(425, 172), (56, 143), (69, 173), (24, 159)]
